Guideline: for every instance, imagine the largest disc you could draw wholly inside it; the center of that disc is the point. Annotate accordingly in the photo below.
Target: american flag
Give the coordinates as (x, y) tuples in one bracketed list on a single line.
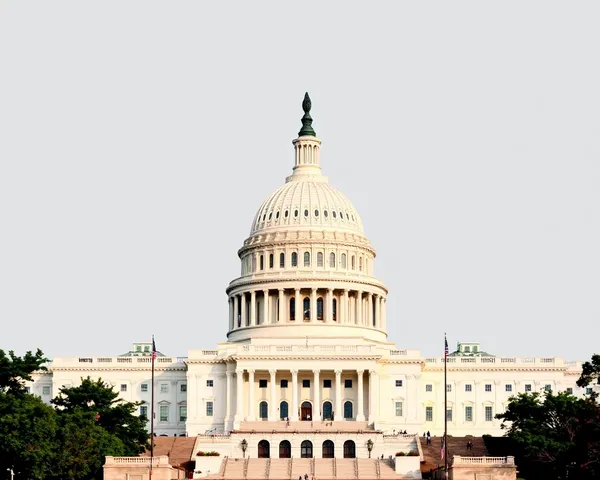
[(445, 346), (442, 452), (153, 349)]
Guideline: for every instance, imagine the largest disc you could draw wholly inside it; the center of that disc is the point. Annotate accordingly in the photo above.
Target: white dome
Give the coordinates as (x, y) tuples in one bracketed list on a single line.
[(311, 204)]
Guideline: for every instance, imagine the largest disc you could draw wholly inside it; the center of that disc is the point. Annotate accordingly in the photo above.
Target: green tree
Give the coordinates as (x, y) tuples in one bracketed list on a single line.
[(14, 371), (112, 413), (590, 371), (556, 434)]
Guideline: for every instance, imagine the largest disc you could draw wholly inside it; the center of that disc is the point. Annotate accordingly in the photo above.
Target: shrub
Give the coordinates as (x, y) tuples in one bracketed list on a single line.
[(413, 453), (400, 454), (207, 454)]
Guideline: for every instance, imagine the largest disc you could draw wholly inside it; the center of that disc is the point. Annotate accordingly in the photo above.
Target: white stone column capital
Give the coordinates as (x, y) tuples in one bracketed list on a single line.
[(360, 372), (273, 372), (294, 372), (317, 371), (338, 372)]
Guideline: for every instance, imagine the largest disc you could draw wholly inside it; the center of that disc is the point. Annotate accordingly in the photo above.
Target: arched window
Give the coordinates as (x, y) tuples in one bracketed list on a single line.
[(262, 262), (349, 449), (353, 263), (263, 410), (271, 260), (306, 308), (294, 259), (334, 310), (332, 260), (343, 260), (253, 263), (319, 259), (285, 449), (283, 410), (306, 259), (320, 308), (348, 410), (264, 449), (360, 264), (282, 260), (306, 412), (292, 309), (327, 411), (328, 449), (306, 450)]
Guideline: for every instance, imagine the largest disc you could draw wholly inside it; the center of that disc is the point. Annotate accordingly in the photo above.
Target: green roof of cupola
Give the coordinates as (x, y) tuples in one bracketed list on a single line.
[(306, 130)]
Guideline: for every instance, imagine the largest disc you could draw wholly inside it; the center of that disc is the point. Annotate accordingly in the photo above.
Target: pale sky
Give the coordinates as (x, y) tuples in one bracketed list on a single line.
[(138, 139)]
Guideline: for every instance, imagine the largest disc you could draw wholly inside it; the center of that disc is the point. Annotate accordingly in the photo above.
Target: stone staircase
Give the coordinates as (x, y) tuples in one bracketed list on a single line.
[(387, 469), (367, 468), (301, 466), (234, 468), (344, 468), (324, 468), (280, 468), (456, 446), (257, 468)]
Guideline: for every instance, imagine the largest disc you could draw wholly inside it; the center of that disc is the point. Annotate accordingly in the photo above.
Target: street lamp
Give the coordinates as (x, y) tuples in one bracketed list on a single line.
[(369, 446), (244, 447)]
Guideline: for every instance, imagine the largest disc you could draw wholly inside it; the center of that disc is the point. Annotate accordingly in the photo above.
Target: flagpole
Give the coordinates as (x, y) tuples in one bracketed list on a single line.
[(152, 411), (445, 440)]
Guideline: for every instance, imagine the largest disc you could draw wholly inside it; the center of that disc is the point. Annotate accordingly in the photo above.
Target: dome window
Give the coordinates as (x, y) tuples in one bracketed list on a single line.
[(316, 213), (332, 260), (325, 213), (282, 260), (343, 260), (262, 262), (270, 216), (306, 259), (295, 213), (292, 309), (286, 214), (294, 259), (334, 310), (360, 264), (264, 217), (334, 214), (353, 262), (353, 218), (306, 308), (277, 215), (320, 308), (319, 259), (306, 212)]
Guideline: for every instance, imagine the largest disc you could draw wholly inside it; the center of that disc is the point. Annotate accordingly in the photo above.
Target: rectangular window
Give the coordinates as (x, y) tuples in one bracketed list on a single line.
[(347, 383), (209, 409), (164, 388), (548, 388), (271, 260), (468, 387), (588, 391), (281, 260), (468, 414), (570, 391), (164, 413), (262, 384), (398, 409), (144, 387), (449, 388), (182, 413), (123, 387), (144, 411), (209, 383), (398, 383), (45, 390), (429, 414), (183, 388), (449, 414), (508, 387), (528, 387), (283, 384), (488, 387), (429, 388), (305, 383), (488, 414), (326, 383)]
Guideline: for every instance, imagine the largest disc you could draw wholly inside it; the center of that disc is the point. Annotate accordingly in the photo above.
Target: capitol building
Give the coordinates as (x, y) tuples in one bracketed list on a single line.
[(306, 368)]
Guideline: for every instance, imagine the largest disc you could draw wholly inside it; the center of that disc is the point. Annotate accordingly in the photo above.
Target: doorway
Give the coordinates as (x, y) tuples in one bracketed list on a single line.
[(264, 449), (306, 411), (327, 411), (285, 449)]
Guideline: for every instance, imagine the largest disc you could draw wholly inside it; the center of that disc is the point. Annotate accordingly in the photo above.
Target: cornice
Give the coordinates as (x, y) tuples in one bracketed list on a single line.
[(274, 243), (239, 283), (488, 368), (181, 368), (238, 358)]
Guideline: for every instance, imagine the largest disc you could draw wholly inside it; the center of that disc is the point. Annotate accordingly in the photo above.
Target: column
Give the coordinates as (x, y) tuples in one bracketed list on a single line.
[(339, 414), (313, 305), (273, 399), (359, 308), (281, 306), (377, 311), (251, 394), (294, 415), (239, 411), (345, 309), (373, 403), (329, 301), (316, 396), (235, 311), (369, 310), (360, 414), (231, 317), (299, 312), (243, 309), (228, 374), (266, 307), (253, 308), (383, 313)]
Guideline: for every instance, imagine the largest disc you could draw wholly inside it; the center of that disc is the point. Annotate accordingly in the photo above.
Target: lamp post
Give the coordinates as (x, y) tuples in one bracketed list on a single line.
[(244, 447), (369, 446)]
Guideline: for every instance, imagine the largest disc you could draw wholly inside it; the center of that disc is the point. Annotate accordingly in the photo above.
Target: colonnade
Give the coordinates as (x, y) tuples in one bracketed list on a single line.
[(344, 306), (291, 376)]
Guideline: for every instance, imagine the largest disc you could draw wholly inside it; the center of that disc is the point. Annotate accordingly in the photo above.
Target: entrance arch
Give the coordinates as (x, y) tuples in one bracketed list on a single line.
[(306, 411), (285, 449), (328, 449), (306, 449), (264, 449), (283, 410), (349, 449), (327, 411)]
